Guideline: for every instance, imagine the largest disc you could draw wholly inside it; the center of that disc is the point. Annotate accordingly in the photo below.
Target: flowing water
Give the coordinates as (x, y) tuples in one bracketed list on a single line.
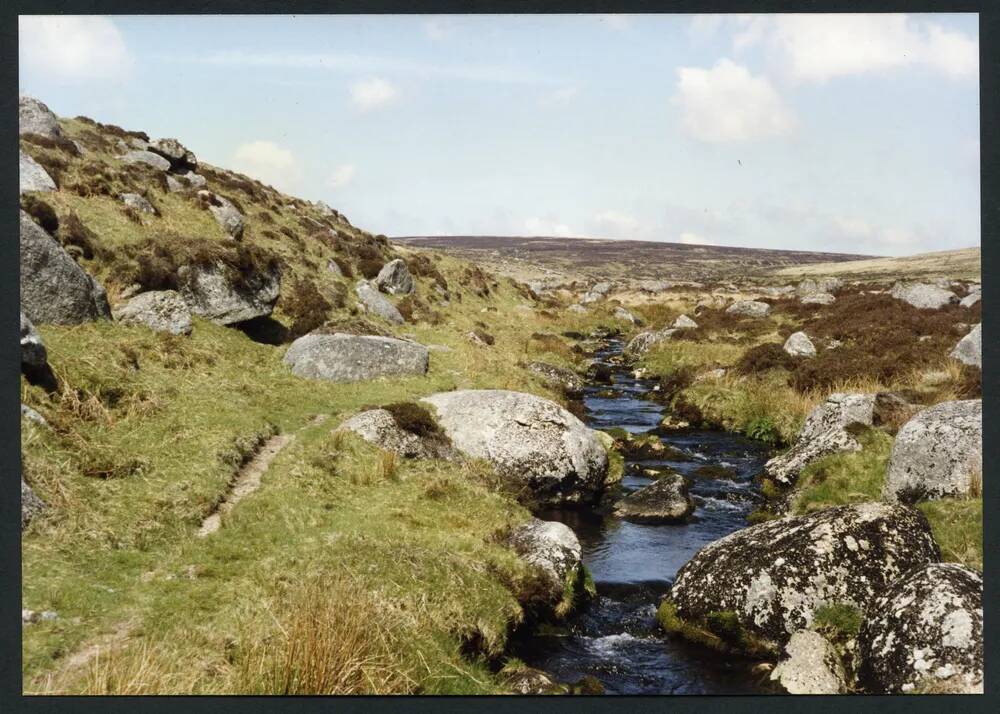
[(615, 637)]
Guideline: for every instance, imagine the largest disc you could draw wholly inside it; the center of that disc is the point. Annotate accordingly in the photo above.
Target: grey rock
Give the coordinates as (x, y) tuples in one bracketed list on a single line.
[(937, 453), (180, 158), (530, 441), (32, 176), (332, 267), (971, 299), (642, 342), (664, 501), (597, 292), (923, 295), (148, 158), (355, 358), (798, 344), (969, 349), (812, 666), (33, 117), (216, 293), (394, 278), (925, 632), (134, 142), (621, 313), (811, 286), (31, 505), (553, 548), (376, 304), (683, 322), (817, 299), (33, 352), (54, 289), (224, 212), (776, 574), (379, 427), (749, 308), (182, 182), (160, 310), (33, 416), (137, 202), (559, 377)]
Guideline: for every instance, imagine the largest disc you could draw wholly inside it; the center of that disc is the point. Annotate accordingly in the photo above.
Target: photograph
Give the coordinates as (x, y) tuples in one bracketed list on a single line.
[(550, 354)]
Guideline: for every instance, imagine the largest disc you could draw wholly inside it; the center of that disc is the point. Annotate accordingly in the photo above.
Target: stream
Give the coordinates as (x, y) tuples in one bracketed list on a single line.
[(615, 637)]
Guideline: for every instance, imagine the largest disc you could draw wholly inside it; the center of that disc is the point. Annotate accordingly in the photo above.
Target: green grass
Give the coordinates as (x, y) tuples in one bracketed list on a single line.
[(957, 524), (720, 631), (838, 622), (850, 477)]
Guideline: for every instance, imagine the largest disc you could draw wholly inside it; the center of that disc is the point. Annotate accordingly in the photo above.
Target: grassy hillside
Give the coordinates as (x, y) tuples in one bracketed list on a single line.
[(964, 264)]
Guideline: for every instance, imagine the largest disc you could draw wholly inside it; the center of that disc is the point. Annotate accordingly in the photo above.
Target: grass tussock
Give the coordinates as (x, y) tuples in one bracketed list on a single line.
[(852, 477)]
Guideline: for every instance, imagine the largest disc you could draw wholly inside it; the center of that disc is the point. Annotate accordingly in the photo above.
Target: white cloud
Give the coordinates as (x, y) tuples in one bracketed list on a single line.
[(341, 176), (372, 93), (817, 47), (72, 47), (535, 226), (689, 238), (614, 224), (727, 103), (268, 162)]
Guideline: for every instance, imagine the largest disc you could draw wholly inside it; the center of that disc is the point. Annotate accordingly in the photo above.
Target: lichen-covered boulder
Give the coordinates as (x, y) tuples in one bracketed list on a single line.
[(923, 295), (621, 313), (817, 299), (642, 342), (559, 377), (925, 633), (684, 322), (937, 453), (798, 344), (33, 352), (355, 358), (381, 428), (812, 666), (180, 158), (159, 310), (824, 432), (146, 157), (774, 575), (181, 182), (749, 308), (969, 349), (31, 504), (811, 286), (666, 500), (532, 442), (33, 117), (394, 278), (554, 549), (54, 288), (32, 176), (224, 212), (376, 304), (137, 203), (225, 297)]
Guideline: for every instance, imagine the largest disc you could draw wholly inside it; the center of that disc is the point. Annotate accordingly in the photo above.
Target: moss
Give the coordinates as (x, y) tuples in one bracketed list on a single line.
[(838, 622), (616, 467), (721, 631)]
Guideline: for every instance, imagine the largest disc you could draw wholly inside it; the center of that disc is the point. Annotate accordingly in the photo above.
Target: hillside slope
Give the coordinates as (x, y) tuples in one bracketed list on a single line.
[(964, 264)]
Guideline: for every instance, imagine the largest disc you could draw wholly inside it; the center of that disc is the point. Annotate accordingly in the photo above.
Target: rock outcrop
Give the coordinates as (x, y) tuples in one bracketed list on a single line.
[(355, 358), (969, 349), (937, 453), (561, 378), (775, 575), (925, 633), (749, 308), (159, 310), (380, 427), (225, 298), (181, 159), (812, 666), (811, 286), (645, 340), (224, 212), (532, 442), (33, 117), (137, 203), (54, 289), (376, 304), (31, 505), (146, 157), (394, 278), (923, 295), (32, 177), (798, 344), (666, 500), (684, 322)]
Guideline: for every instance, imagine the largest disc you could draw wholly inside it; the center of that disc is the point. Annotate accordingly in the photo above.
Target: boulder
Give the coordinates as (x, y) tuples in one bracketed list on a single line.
[(923, 295), (824, 432), (969, 349), (774, 575), (969, 300), (33, 117), (181, 182), (224, 297), (559, 377), (817, 299), (394, 278), (374, 303), (180, 158), (749, 308), (31, 504), (553, 548), (379, 427), (54, 289), (33, 353), (355, 358), (532, 442), (925, 633), (160, 310), (596, 292), (32, 176), (812, 666), (137, 203), (666, 500), (621, 313), (146, 157), (33, 416), (798, 344), (644, 340), (684, 322), (224, 212), (811, 286), (937, 453)]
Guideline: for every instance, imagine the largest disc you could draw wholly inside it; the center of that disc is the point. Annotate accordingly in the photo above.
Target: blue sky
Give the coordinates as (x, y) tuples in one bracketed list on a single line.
[(851, 133)]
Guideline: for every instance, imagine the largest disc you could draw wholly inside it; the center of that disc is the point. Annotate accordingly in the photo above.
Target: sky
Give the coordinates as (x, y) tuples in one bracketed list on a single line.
[(852, 133)]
